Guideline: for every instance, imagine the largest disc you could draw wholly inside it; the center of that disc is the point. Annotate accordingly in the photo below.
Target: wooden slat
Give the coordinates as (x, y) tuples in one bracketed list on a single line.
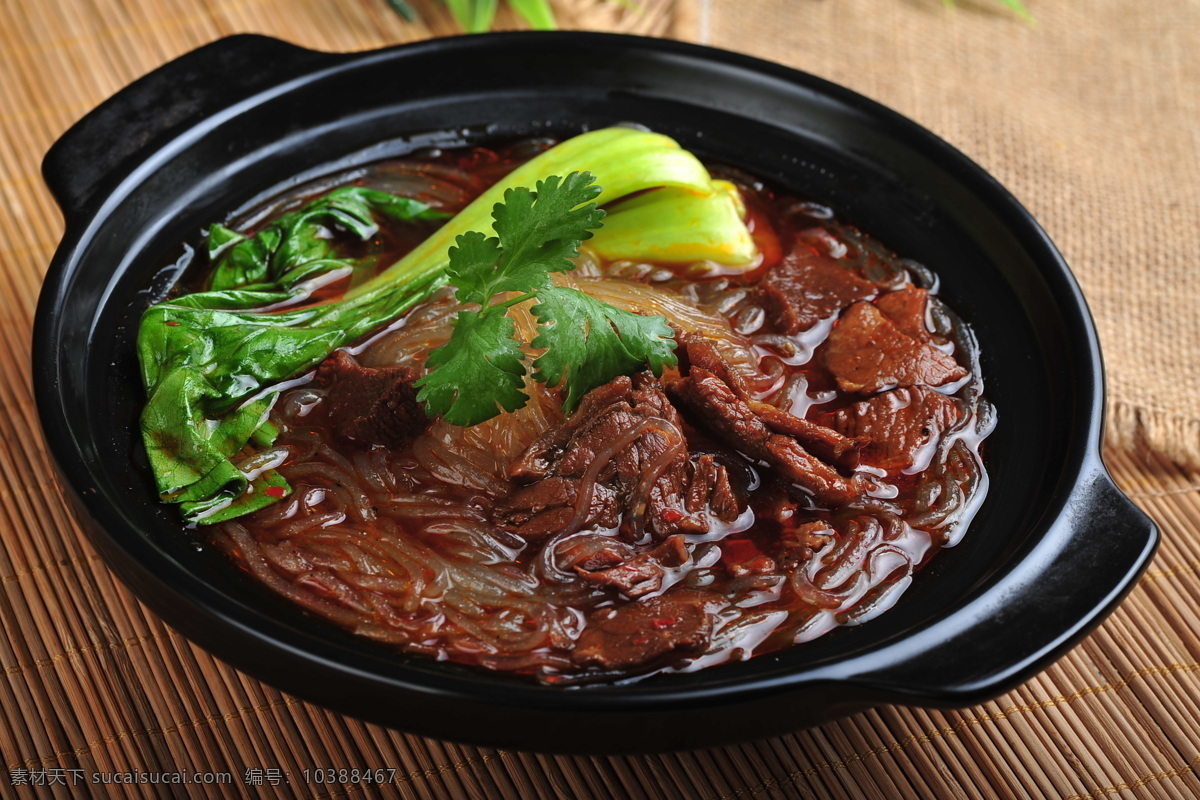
[(91, 680)]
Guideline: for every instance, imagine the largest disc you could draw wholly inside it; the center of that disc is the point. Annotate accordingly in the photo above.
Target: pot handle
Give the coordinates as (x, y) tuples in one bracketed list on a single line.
[(1018, 627), (119, 134)]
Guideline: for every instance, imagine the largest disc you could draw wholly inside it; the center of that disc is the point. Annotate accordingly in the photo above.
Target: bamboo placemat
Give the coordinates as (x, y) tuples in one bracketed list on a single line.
[(94, 684)]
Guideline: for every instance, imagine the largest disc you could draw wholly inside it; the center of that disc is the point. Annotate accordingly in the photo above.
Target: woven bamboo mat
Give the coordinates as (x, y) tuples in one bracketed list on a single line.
[(94, 684)]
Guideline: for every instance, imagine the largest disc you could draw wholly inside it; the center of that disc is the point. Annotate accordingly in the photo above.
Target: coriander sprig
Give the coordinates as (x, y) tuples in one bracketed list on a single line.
[(585, 342)]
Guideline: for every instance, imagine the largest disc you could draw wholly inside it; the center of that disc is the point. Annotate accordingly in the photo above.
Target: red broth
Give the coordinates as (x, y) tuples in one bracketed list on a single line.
[(401, 545)]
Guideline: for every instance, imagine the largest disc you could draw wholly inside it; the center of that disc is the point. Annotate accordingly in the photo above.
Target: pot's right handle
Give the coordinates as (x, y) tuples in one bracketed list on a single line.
[(1064, 588), (118, 135)]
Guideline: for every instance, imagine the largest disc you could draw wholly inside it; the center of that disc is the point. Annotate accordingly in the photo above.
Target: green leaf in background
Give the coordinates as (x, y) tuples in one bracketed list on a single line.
[(406, 12), (482, 14), (1015, 5), (1019, 7), (536, 12), (474, 16)]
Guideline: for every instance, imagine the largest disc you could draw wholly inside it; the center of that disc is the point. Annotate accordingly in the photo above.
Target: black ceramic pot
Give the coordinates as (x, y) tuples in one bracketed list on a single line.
[(1053, 549)]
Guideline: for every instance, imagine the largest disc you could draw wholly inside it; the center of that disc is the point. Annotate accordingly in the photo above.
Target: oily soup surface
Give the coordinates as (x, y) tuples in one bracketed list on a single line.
[(818, 441)]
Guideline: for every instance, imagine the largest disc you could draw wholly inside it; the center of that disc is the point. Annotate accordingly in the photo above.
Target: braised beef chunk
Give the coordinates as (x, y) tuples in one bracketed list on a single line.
[(807, 287), (826, 443), (713, 406), (372, 406), (646, 633), (867, 353), (621, 432), (710, 488), (742, 558), (546, 507), (899, 425), (640, 574), (906, 308), (539, 459), (798, 545), (672, 552), (590, 554), (698, 350)]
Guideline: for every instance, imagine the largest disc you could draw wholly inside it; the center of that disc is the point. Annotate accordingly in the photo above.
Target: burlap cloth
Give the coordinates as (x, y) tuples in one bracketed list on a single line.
[(1090, 118)]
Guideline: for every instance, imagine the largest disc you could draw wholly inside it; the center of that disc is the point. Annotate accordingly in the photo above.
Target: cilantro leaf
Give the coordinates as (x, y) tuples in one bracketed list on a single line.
[(589, 342), (475, 374), (472, 269), (537, 233)]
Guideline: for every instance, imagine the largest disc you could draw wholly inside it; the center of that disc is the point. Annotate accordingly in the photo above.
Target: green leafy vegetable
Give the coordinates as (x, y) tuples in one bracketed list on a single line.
[(297, 247), (205, 357), (630, 160), (199, 363), (679, 226), (587, 342), (261, 492), (211, 361), (478, 372)]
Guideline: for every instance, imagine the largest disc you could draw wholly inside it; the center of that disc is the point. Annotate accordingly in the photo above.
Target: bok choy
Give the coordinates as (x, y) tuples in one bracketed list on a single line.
[(211, 361)]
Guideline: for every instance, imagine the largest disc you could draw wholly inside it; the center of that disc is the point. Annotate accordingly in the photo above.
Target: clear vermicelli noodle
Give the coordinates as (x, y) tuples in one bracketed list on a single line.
[(812, 475)]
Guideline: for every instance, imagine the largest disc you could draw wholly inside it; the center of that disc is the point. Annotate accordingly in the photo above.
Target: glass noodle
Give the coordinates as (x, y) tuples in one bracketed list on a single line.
[(398, 545)]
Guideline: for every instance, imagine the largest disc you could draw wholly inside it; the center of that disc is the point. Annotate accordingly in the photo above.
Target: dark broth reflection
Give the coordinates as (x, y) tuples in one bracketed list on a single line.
[(403, 546)]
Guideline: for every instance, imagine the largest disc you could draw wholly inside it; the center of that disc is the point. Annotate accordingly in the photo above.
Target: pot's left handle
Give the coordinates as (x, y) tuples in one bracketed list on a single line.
[(119, 134)]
